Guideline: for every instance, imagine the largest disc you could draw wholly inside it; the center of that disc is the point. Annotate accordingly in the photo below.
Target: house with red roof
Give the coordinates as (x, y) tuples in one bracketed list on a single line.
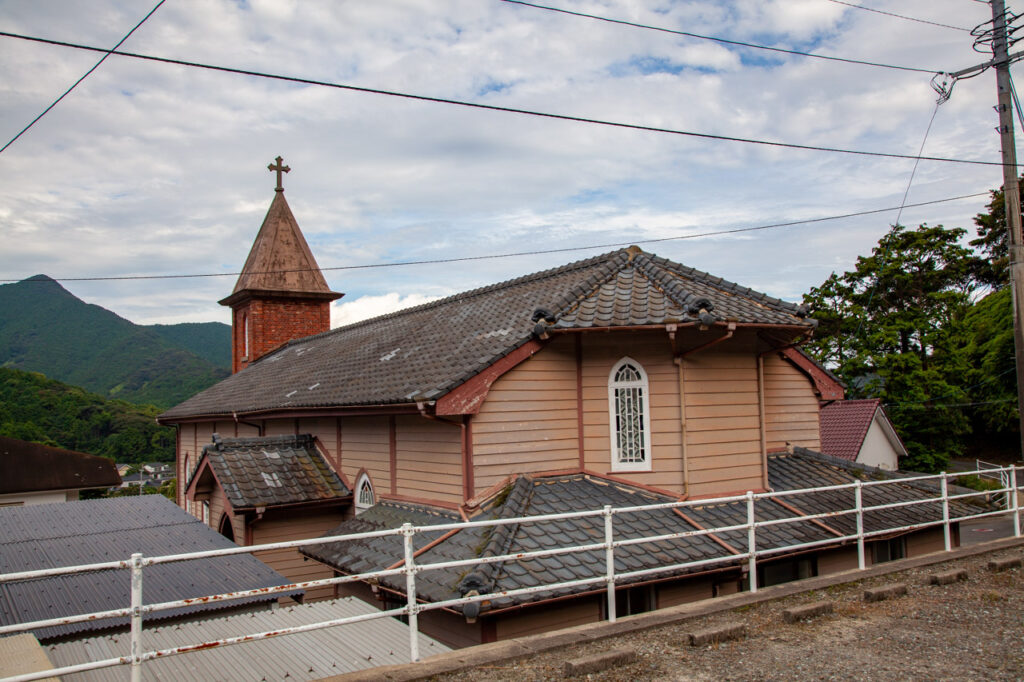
[(860, 431)]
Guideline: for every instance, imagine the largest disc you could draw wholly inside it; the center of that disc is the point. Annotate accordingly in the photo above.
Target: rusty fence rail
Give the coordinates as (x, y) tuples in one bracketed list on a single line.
[(937, 484)]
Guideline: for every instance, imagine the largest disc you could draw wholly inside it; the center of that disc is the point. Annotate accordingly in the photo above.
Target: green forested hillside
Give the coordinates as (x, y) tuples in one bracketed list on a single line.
[(42, 410), (44, 328), (209, 340)]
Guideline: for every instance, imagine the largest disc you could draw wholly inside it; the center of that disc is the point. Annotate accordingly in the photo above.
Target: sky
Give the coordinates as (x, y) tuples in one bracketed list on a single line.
[(150, 168)]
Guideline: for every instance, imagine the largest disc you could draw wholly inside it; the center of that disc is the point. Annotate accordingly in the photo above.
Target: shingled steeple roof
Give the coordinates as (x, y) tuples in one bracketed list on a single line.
[(280, 261)]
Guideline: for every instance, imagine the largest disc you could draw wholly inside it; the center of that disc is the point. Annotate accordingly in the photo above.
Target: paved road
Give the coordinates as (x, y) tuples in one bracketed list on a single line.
[(988, 528)]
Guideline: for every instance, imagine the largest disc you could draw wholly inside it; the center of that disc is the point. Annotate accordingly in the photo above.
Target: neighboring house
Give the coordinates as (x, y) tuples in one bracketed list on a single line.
[(624, 376), (31, 473), (93, 531), (860, 431)]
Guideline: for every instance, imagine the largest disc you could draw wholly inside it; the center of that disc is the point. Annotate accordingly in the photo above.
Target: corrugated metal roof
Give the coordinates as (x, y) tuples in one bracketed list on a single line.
[(91, 531), (302, 656)]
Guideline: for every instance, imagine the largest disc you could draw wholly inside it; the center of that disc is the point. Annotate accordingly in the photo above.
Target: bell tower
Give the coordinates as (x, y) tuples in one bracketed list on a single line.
[(281, 294)]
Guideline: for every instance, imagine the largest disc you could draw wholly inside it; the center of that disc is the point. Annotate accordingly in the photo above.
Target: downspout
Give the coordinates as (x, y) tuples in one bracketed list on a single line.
[(763, 419), (258, 427), (678, 360), (467, 460)]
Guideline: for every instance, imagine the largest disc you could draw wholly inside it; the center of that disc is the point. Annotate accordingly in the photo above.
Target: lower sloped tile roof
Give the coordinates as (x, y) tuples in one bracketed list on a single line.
[(544, 495), (30, 467), (268, 471), (92, 531)]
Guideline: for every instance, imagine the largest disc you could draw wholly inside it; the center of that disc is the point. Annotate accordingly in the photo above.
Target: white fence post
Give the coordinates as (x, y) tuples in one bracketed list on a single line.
[(1016, 501), (751, 543), (410, 588), (609, 559), (945, 513), (858, 497), (136, 645)]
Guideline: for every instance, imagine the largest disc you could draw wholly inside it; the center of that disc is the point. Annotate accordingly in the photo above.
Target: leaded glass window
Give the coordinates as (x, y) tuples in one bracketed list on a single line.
[(629, 416), (364, 494)]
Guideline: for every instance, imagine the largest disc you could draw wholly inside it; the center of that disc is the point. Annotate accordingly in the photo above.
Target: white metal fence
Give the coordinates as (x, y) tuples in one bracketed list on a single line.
[(136, 564)]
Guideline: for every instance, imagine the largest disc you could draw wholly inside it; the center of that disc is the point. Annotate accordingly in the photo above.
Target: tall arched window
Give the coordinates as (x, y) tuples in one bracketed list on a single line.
[(364, 494), (629, 416), (245, 332)]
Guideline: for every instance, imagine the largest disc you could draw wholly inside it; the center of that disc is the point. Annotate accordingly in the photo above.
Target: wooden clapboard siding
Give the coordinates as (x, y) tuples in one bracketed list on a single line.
[(684, 592), (326, 430), (654, 352), (285, 525), (280, 427), (366, 446), (790, 405), (549, 617), (528, 421), (723, 421), (429, 456)]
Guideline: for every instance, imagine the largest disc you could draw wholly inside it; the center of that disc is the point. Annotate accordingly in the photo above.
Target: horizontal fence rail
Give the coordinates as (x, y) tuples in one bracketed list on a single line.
[(936, 486)]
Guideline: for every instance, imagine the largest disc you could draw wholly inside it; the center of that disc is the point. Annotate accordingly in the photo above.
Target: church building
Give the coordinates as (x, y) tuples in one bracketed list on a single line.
[(623, 379)]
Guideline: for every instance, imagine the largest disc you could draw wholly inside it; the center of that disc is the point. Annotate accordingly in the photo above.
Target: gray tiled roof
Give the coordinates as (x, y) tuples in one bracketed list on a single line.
[(426, 351), (91, 531), (273, 470), (534, 496)]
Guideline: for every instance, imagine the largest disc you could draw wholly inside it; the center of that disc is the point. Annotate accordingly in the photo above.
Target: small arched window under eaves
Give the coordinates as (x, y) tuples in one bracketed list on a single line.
[(364, 494)]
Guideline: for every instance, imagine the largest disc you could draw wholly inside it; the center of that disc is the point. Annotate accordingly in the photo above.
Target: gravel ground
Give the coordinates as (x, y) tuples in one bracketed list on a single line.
[(972, 630)]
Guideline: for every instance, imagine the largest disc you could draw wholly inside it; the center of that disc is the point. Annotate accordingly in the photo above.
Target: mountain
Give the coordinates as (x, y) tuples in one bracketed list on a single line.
[(45, 328), (42, 410)]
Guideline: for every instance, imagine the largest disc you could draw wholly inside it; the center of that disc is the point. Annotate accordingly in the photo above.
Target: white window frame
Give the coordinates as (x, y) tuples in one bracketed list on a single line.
[(360, 482), (645, 399)]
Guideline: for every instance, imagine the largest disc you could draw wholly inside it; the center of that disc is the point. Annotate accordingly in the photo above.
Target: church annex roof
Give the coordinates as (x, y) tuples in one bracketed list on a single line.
[(268, 471), (421, 353)]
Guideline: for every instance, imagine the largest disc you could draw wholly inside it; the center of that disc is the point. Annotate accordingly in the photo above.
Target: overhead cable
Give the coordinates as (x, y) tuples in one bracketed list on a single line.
[(493, 107), (724, 41), (537, 252), (899, 16), (86, 75)]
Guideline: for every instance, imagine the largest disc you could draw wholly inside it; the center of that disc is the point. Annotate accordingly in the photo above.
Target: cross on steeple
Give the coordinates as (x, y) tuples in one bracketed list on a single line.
[(278, 168)]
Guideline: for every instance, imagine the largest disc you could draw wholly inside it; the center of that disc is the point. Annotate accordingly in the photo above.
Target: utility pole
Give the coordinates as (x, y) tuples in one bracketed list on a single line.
[(1011, 192)]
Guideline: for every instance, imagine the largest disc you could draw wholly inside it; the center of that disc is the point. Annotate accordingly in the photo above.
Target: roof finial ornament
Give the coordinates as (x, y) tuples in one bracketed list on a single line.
[(278, 168)]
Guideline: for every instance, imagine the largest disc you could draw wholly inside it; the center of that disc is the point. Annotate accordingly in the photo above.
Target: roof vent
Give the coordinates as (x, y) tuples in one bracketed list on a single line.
[(543, 314), (700, 305)]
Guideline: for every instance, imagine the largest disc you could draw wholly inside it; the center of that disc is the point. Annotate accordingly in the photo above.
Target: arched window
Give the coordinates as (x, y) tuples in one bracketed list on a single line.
[(245, 332), (364, 494), (629, 416)]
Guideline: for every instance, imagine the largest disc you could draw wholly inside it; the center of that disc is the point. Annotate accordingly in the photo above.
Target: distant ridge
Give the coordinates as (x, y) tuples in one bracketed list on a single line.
[(45, 328)]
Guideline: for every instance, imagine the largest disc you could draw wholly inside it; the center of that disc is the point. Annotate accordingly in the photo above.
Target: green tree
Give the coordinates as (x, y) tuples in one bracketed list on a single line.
[(889, 330), (993, 240)]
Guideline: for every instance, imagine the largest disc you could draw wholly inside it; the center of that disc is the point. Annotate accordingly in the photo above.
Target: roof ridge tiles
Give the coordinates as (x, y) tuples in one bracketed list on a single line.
[(514, 505), (463, 295)]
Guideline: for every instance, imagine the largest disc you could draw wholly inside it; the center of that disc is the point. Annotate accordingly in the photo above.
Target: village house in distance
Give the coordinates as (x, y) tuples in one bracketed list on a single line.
[(622, 379)]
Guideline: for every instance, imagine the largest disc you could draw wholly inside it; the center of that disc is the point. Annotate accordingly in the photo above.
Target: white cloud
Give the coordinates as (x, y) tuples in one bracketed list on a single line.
[(157, 169), (346, 312)]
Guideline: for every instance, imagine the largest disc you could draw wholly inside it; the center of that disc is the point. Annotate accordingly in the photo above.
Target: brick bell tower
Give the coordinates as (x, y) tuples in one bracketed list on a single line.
[(281, 294)]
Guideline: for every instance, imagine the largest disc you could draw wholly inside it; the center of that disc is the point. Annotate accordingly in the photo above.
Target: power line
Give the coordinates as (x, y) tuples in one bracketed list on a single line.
[(724, 41), (86, 75), (899, 16), (492, 107), (537, 252)]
